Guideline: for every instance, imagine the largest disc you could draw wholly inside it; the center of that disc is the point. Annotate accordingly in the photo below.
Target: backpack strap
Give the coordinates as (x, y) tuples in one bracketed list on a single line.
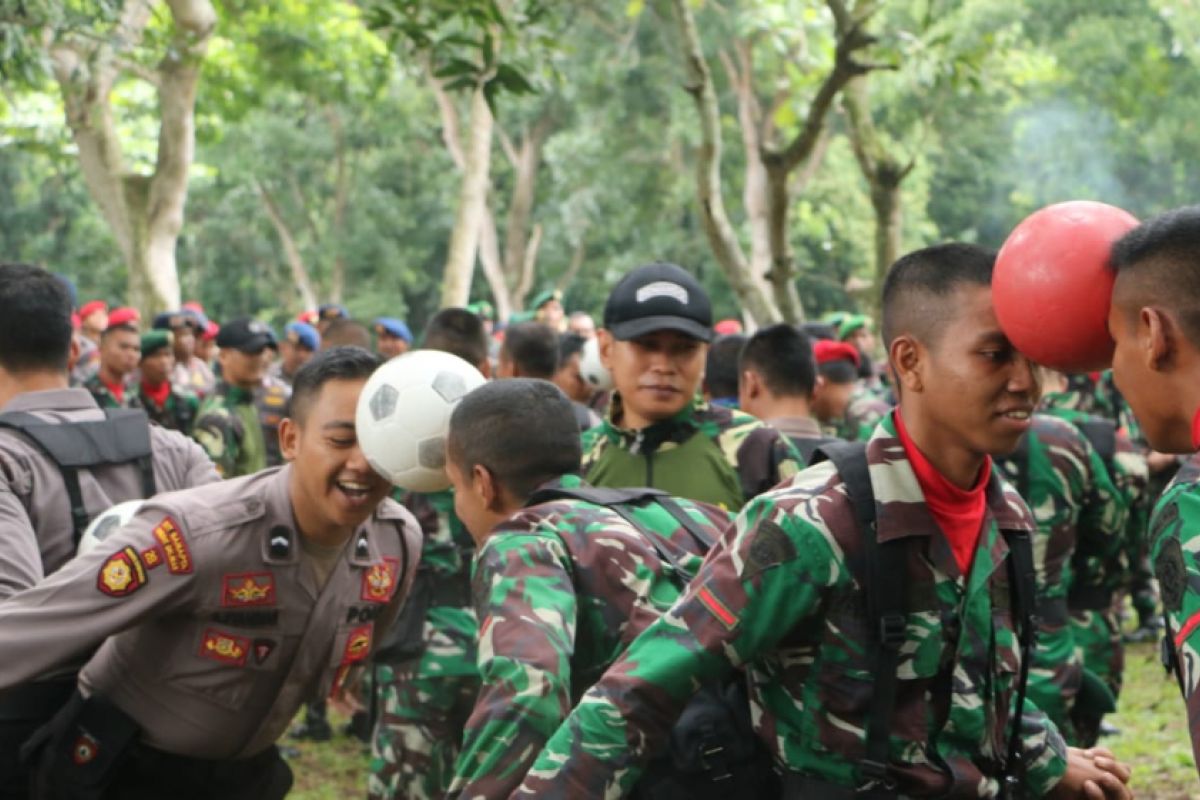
[(621, 501), (885, 570), (123, 436), (1022, 578), (808, 446)]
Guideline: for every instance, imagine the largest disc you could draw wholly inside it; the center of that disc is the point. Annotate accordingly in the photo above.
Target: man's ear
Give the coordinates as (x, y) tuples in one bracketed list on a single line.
[(289, 438), (486, 485), (907, 357), (605, 341), (1158, 336)]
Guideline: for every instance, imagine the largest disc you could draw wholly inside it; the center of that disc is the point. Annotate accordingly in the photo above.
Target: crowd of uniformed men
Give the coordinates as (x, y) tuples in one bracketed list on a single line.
[(759, 566)]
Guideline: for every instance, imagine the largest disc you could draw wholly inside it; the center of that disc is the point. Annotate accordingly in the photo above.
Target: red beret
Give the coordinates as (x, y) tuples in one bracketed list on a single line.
[(827, 351), (310, 316), (91, 307), (123, 316), (727, 327), (210, 332), (192, 305)]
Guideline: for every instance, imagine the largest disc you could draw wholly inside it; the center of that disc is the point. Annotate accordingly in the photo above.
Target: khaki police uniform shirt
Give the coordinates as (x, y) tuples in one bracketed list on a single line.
[(217, 629), (36, 533)]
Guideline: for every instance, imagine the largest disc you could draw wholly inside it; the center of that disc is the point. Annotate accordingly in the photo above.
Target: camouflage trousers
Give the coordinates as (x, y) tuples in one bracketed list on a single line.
[(1056, 674), (1099, 643), (423, 708)]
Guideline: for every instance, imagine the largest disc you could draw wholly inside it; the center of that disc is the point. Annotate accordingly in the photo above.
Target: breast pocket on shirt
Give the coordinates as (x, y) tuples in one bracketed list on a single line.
[(220, 663)]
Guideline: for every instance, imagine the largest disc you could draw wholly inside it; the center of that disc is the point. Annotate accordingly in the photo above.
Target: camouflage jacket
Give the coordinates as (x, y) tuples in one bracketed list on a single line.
[(228, 429), (450, 629), (1095, 563), (271, 401), (177, 413), (778, 595), (1098, 395), (104, 396), (561, 589), (1073, 500), (706, 453), (867, 406), (195, 377), (1175, 553)]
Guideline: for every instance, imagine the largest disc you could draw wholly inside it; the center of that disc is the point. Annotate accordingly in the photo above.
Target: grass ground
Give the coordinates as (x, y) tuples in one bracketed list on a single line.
[(1153, 739)]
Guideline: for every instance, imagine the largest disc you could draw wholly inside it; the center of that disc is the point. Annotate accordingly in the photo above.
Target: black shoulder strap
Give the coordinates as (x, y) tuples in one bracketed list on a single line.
[(808, 446), (885, 571), (1102, 435), (621, 501), (1022, 578), (122, 437)]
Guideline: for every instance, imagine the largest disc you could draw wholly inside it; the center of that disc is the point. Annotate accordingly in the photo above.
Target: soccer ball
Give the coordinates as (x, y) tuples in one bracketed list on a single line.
[(403, 416), (591, 369), (106, 523)]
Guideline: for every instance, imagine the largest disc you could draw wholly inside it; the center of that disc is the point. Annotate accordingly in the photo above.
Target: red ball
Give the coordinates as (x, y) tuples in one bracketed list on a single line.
[(1052, 286)]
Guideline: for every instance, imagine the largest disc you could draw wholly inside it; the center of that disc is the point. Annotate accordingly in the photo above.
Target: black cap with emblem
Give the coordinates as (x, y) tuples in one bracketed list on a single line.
[(247, 335), (658, 297)]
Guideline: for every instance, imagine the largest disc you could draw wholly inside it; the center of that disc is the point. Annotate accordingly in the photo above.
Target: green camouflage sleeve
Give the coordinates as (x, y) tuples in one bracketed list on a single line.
[(216, 431), (1175, 543), (526, 604), (1105, 510), (737, 607)]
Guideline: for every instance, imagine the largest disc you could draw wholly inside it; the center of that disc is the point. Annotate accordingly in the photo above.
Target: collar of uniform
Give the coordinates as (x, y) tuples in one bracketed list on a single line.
[(280, 543), (894, 483), (673, 429), (52, 400), (236, 394)]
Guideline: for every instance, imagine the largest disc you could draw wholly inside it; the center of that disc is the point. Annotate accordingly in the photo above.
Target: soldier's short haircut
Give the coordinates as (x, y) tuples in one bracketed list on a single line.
[(917, 288), (334, 364), (346, 333), (522, 430), (35, 319), (721, 365), (782, 355), (533, 347), (1163, 256), (459, 332)]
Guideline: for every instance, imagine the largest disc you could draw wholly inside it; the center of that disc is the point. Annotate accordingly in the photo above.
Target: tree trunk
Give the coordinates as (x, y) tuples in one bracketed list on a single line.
[(493, 266), (291, 252), (518, 236), (145, 213), (720, 232), (341, 198), (472, 207), (887, 200)]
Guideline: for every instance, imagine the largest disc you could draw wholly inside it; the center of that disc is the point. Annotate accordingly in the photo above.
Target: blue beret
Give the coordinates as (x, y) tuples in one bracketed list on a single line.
[(395, 327)]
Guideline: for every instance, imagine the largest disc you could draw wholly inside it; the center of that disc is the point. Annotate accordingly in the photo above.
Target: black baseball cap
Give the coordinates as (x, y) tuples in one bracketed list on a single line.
[(658, 297), (246, 334)]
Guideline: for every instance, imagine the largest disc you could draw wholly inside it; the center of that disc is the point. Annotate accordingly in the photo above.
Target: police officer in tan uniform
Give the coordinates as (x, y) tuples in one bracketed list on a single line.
[(39, 519), (225, 606)]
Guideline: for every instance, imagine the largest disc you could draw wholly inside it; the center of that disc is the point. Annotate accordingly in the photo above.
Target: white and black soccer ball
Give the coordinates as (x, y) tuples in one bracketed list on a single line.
[(106, 523), (592, 369), (403, 416)]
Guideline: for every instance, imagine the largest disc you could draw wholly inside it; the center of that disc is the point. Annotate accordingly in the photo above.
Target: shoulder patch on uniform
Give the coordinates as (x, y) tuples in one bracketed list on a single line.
[(224, 647), (248, 589), (771, 546), (358, 644), (379, 580), (718, 608), (179, 558), (121, 574), (1171, 572), (152, 557)]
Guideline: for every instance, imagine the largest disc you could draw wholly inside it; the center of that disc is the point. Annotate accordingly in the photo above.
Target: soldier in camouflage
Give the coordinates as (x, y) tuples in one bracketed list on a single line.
[(1080, 517), (1098, 572), (657, 326), (427, 688), (1156, 365), (112, 384), (228, 424), (561, 585), (164, 404), (776, 378), (785, 598)]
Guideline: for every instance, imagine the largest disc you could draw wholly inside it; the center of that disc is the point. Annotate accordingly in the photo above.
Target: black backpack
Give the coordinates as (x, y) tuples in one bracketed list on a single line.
[(122, 437), (884, 580)]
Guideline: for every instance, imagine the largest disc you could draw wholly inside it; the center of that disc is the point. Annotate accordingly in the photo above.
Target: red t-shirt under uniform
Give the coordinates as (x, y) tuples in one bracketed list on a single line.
[(958, 512)]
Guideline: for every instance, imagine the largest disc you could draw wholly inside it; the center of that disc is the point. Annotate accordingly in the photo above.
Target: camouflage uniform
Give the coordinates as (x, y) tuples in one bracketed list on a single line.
[(1100, 572), (1079, 514), (271, 400), (195, 377), (779, 596), (1175, 553), (706, 453), (104, 396), (562, 588), (867, 406), (177, 412), (424, 702), (227, 427)]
